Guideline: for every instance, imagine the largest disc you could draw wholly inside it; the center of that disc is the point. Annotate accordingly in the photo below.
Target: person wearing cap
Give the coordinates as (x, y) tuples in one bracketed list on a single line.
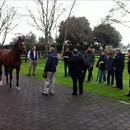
[(110, 68), (76, 68), (89, 59), (119, 67), (50, 69), (33, 59)]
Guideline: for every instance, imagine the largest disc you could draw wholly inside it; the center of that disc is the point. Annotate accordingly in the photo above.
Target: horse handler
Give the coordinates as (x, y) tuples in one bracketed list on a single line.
[(49, 72), (33, 59)]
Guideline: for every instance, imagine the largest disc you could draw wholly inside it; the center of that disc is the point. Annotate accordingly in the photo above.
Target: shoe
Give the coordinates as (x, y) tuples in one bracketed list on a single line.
[(18, 88), (74, 94), (128, 94), (45, 94), (28, 74), (1, 83), (52, 94), (120, 88), (80, 94)]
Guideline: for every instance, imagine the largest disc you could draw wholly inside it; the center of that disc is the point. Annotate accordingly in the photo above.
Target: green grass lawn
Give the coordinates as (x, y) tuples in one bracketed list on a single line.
[(93, 87)]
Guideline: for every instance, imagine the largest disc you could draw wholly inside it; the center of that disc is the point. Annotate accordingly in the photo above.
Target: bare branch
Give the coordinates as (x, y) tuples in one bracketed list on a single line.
[(122, 6), (35, 21), (7, 16), (66, 26)]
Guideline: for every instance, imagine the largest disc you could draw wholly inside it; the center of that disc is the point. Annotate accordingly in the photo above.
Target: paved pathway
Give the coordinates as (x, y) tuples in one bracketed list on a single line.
[(29, 110)]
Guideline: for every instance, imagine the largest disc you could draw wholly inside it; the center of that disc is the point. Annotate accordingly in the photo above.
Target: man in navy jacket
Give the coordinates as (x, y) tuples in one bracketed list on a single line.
[(50, 69)]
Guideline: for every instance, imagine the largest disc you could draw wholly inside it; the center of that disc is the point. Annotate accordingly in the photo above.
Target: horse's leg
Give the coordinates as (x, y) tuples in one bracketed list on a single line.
[(17, 77), (6, 74), (10, 84), (0, 74)]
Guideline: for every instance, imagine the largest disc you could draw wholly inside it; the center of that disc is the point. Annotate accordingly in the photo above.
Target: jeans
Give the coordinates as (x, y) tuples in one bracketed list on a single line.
[(102, 74), (66, 69)]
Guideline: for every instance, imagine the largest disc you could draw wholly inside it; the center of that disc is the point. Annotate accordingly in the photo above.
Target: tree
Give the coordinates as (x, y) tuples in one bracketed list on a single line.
[(41, 40), (31, 38), (79, 32), (7, 18), (107, 35), (118, 14), (48, 14), (66, 25)]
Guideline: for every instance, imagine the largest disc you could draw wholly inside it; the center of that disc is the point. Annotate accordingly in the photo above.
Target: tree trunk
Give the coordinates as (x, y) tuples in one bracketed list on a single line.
[(46, 44)]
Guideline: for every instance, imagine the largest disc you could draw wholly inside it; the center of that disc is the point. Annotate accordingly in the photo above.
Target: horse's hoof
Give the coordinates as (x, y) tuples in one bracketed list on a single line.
[(18, 88), (1, 83), (9, 88)]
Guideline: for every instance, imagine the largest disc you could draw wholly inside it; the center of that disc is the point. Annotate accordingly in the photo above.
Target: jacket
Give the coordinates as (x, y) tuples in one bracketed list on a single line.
[(76, 66), (110, 64), (31, 55), (66, 56), (119, 62), (89, 58), (51, 62), (102, 62)]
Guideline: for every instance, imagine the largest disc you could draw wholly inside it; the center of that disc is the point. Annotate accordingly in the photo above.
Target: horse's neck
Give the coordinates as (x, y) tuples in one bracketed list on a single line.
[(16, 52)]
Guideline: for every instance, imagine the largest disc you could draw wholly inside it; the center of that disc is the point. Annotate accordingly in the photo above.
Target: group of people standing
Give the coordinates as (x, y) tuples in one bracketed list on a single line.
[(77, 66), (110, 66)]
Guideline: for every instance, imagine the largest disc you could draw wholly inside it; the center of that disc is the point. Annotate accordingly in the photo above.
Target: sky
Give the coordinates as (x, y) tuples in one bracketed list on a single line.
[(93, 10)]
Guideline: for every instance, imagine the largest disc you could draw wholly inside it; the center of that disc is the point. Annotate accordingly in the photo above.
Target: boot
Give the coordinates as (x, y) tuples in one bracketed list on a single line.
[(128, 94)]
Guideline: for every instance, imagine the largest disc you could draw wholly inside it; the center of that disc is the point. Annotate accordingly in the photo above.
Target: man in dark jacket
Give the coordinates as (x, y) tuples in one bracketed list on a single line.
[(119, 67), (66, 57), (50, 69), (76, 68), (89, 59)]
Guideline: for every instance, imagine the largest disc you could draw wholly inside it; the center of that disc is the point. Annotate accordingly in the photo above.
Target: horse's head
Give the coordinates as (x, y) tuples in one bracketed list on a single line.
[(20, 44)]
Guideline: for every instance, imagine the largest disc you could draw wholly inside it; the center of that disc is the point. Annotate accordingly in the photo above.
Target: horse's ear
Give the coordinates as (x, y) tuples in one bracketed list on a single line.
[(19, 39)]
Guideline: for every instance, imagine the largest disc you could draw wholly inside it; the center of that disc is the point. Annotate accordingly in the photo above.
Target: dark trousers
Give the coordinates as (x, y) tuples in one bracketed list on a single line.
[(90, 69), (66, 69), (80, 81), (119, 80), (110, 77)]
